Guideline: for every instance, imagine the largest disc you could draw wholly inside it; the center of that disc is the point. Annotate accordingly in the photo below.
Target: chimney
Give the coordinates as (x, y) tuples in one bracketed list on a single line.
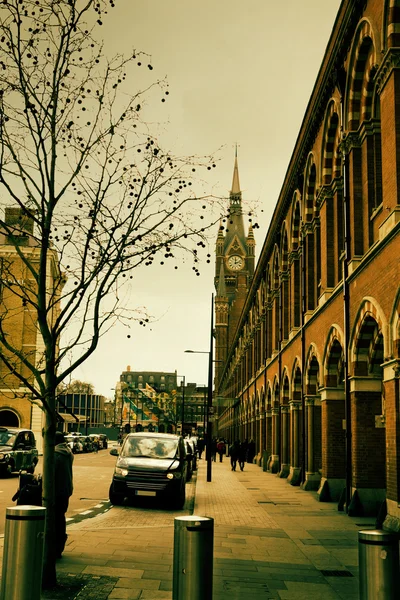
[(16, 217)]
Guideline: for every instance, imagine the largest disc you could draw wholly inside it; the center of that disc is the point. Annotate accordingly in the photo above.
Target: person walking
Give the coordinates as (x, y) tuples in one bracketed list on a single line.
[(63, 484), (221, 449), (242, 455), (214, 449), (234, 453), (200, 446), (251, 451)]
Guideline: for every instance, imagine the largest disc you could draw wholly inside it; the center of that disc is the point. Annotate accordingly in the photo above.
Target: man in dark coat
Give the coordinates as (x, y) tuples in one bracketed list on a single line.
[(242, 454), (63, 459), (234, 453), (251, 451), (200, 446)]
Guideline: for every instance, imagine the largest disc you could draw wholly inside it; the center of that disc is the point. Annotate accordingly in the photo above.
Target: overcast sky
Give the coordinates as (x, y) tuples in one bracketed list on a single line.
[(238, 72)]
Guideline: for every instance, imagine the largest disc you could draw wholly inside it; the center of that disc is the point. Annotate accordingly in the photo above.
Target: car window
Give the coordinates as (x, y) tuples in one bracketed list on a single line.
[(149, 447), (20, 441), (7, 438), (26, 439)]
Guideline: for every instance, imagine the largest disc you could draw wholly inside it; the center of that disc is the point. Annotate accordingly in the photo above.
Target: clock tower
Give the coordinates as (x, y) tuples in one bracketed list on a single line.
[(234, 268)]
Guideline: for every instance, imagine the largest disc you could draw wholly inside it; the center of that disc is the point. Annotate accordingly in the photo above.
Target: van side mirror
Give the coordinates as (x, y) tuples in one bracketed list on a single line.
[(114, 452)]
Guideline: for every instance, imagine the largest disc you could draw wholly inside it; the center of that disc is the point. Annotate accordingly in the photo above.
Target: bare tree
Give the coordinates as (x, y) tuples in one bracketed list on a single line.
[(89, 196), (77, 387)]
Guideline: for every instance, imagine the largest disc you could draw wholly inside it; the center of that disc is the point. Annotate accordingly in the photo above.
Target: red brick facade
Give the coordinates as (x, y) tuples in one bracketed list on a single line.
[(312, 366)]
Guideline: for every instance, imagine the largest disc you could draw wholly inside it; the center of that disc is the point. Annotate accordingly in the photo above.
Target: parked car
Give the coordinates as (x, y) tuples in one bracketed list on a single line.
[(103, 440), (74, 443), (100, 439), (17, 450), (87, 443), (193, 447), (191, 457), (150, 464), (95, 441)]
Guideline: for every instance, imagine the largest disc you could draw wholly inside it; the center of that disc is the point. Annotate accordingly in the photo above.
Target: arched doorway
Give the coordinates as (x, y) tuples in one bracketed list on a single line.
[(9, 418), (333, 479), (367, 418)]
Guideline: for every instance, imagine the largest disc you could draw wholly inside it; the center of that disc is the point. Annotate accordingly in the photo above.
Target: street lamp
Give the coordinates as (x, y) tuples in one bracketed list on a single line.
[(210, 390), (183, 402)]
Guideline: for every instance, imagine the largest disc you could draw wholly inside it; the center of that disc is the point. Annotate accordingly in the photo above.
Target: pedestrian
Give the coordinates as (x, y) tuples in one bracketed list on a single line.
[(251, 451), (242, 454), (63, 485), (221, 449), (214, 449), (200, 446), (234, 453)]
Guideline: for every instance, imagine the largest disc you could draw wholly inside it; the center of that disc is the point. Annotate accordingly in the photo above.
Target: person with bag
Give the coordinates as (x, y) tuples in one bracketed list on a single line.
[(234, 453), (221, 449), (63, 485), (29, 491), (242, 456)]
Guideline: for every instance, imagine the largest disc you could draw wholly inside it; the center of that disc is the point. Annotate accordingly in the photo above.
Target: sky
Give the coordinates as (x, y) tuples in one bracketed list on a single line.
[(239, 73)]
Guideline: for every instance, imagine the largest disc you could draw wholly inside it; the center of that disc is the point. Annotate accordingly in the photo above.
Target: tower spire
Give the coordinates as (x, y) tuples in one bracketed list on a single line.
[(235, 181)]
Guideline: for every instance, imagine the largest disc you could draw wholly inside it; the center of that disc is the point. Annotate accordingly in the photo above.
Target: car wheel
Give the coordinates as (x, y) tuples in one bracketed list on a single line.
[(178, 502), (115, 498)]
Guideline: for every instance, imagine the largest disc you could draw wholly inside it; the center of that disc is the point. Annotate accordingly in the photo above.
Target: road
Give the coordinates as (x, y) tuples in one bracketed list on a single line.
[(92, 478)]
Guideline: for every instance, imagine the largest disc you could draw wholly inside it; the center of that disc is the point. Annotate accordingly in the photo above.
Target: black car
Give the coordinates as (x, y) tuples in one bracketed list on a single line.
[(191, 459), (17, 450), (150, 464), (103, 440), (87, 443)]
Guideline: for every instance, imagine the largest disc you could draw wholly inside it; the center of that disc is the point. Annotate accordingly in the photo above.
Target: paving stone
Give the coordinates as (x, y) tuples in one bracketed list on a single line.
[(273, 550)]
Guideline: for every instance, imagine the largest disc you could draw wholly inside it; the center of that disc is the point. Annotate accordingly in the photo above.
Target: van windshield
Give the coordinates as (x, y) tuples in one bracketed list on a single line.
[(7, 438), (149, 447)]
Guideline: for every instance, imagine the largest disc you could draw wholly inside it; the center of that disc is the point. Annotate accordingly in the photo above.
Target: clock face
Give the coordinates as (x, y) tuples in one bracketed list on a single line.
[(235, 262)]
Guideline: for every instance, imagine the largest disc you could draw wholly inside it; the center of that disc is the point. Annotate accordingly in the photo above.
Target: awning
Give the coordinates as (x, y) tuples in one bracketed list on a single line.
[(68, 418)]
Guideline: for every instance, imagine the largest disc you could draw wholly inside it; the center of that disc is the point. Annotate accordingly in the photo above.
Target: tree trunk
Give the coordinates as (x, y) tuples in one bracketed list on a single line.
[(49, 563)]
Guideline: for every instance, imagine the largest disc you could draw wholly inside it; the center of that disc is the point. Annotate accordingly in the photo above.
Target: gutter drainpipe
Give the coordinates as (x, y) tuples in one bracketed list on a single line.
[(346, 308)]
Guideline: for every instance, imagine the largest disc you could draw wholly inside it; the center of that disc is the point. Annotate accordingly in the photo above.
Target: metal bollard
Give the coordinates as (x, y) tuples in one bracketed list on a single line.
[(193, 558), (23, 553), (378, 560)]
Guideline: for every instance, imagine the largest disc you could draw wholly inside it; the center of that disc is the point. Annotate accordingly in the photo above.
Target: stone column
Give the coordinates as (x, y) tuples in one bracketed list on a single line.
[(333, 480), (262, 438), (274, 461), (391, 386), (368, 447), (312, 478), (295, 468), (268, 435), (285, 464)]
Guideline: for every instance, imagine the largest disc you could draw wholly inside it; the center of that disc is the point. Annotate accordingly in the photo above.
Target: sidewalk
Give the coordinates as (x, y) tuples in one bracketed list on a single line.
[(271, 541)]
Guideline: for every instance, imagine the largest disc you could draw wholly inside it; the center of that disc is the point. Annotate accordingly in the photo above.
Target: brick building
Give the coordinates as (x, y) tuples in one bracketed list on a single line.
[(146, 398), (19, 319), (312, 361)]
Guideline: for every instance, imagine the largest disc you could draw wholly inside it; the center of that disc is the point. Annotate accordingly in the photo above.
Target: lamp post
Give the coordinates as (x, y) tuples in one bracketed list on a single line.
[(209, 391), (183, 403)]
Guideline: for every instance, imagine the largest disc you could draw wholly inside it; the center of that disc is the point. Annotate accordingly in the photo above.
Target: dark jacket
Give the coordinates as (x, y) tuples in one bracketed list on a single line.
[(234, 450), (63, 459), (242, 451)]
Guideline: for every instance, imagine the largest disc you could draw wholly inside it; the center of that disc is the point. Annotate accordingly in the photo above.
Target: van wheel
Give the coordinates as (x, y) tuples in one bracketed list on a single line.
[(115, 498), (179, 501)]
